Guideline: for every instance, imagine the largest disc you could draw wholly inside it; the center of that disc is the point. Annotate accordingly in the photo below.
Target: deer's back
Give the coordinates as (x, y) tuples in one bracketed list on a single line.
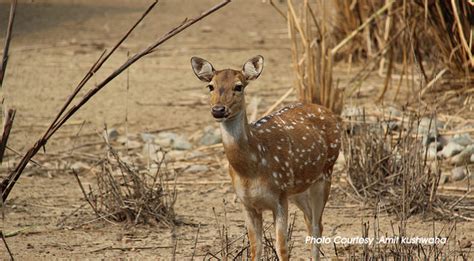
[(296, 146)]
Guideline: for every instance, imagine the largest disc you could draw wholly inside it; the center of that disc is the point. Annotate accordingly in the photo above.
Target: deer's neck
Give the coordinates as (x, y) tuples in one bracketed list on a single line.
[(237, 139)]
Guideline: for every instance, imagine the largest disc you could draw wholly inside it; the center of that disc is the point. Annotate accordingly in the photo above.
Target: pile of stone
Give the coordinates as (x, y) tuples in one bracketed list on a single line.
[(177, 147), (456, 152)]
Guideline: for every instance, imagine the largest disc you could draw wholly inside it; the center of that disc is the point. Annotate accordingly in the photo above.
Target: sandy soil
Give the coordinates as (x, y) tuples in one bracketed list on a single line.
[(55, 43)]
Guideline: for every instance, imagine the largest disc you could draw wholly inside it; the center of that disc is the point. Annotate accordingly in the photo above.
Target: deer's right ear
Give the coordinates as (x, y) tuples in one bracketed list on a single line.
[(203, 69)]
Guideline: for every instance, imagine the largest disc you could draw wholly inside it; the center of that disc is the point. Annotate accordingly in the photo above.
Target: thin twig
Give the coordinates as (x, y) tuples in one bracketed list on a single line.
[(8, 37)]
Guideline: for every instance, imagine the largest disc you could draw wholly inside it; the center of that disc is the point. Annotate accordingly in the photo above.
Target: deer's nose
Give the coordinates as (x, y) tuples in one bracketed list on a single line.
[(218, 111)]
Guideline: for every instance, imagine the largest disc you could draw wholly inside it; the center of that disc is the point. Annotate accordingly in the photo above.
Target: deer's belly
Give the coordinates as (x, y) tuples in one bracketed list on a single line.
[(255, 193)]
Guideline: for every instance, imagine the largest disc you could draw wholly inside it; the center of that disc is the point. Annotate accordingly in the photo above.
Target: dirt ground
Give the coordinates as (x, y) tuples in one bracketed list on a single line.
[(54, 44)]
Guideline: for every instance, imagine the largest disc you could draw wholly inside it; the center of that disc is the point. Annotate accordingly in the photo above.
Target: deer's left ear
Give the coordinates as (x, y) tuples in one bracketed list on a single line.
[(253, 68), (203, 69)]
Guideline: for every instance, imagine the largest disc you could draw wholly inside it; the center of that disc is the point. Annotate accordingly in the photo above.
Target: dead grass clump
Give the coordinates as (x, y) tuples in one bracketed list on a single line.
[(126, 194), (399, 244), (390, 171), (238, 248), (312, 58)]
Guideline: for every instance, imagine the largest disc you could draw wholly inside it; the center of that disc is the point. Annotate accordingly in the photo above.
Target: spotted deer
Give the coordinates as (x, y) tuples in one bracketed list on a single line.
[(287, 155)]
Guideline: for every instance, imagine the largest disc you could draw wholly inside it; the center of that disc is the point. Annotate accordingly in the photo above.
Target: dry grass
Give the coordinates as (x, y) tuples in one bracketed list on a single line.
[(389, 36), (232, 247), (389, 169), (452, 249), (127, 194), (312, 58)]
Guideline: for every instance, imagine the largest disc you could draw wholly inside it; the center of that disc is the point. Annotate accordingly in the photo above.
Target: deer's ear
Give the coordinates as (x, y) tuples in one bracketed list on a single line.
[(203, 69), (253, 68)]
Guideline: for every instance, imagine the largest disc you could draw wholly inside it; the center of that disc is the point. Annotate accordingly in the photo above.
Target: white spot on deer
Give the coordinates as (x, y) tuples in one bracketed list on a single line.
[(304, 138), (276, 182), (287, 164), (276, 158), (275, 175), (264, 162), (268, 130), (278, 147), (260, 131)]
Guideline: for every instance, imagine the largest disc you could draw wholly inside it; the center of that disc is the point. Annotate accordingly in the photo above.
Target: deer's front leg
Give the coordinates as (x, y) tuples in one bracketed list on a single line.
[(280, 216), (254, 226)]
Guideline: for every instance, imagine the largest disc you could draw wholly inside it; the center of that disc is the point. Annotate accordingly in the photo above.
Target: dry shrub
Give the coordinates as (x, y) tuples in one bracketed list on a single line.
[(126, 193), (403, 32), (390, 171), (382, 34), (238, 247), (312, 58), (399, 250)]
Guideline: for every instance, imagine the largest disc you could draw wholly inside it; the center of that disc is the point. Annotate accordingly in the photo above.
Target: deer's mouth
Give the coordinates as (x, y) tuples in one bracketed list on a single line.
[(221, 118)]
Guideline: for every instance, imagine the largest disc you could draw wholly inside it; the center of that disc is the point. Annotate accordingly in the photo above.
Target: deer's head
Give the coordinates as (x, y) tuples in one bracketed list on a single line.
[(226, 87)]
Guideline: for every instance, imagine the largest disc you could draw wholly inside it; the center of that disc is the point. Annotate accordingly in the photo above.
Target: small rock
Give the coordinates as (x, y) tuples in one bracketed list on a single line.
[(147, 137), (458, 173), (451, 149), (167, 135), (181, 143), (464, 157), (428, 124), (133, 144), (462, 139), (175, 154), (112, 134), (80, 166), (197, 168), (211, 136), (174, 140), (164, 142), (194, 154)]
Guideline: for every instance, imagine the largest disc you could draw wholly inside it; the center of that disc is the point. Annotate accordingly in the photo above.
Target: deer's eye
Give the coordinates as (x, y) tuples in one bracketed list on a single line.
[(238, 87), (210, 87)]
